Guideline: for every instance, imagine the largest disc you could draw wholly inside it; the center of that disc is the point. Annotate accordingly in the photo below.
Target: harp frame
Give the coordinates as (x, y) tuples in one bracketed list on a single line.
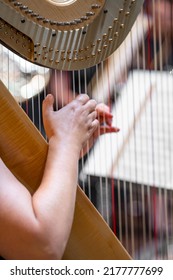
[(86, 34)]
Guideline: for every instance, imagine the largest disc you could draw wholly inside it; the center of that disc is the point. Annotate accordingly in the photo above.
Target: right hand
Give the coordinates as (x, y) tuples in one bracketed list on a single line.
[(74, 124)]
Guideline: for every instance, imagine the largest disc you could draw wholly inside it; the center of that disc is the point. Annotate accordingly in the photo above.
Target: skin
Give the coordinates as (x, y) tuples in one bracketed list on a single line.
[(38, 226)]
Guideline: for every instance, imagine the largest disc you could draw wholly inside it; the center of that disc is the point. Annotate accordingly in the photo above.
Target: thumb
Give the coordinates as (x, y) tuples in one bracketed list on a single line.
[(48, 104), (47, 107)]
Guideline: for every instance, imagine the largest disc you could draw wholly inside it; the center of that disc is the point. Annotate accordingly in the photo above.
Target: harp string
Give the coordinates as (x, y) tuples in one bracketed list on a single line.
[(157, 194)]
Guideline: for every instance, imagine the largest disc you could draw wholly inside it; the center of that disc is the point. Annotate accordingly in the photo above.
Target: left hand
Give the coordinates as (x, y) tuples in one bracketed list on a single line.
[(105, 126)]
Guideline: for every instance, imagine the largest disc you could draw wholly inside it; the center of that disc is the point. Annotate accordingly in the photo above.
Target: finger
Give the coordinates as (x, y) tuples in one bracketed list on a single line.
[(105, 114), (93, 115), (94, 126), (108, 129), (104, 117), (48, 104), (91, 105), (103, 107), (105, 120), (83, 98)]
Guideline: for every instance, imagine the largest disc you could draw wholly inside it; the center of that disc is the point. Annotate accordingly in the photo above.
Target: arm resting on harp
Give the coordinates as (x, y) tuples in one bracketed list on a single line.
[(34, 226), (38, 226)]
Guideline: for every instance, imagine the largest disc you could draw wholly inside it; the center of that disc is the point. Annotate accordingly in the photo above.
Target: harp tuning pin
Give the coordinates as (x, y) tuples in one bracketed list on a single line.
[(46, 20), (84, 18), (37, 45), (52, 22), (24, 8), (59, 23), (90, 14), (77, 20), (34, 15), (95, 6), (17, 4), (29, 11), (40, 18), (72, 22)]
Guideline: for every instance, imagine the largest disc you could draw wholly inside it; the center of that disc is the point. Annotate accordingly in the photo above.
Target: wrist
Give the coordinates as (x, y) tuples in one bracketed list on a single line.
[(65, 146)]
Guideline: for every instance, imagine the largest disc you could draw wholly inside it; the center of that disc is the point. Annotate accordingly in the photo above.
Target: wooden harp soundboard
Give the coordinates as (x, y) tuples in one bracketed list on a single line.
[(64, 35)]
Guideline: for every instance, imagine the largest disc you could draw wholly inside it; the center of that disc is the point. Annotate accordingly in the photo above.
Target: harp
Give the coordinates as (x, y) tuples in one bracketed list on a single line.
[(128, 197), (71, 42)]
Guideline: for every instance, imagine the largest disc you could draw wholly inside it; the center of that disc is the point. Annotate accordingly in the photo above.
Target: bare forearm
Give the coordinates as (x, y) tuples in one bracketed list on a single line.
[(39, 226), (54, 201)]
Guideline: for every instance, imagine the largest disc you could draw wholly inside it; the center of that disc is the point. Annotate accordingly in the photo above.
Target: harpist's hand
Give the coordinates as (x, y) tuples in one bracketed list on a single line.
[(105, 120), (72, 125), (105, 126)]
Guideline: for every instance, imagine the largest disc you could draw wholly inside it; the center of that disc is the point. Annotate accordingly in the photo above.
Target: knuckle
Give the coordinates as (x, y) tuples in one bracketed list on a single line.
[(83, 97), (93, 102)]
